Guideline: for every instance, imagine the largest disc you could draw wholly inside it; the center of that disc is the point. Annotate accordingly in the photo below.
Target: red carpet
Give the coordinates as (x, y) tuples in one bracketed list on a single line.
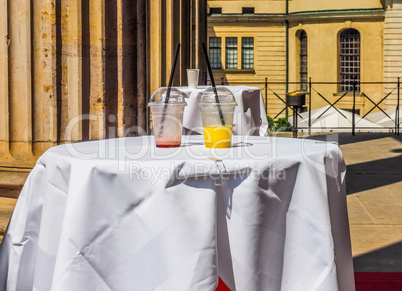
[(370, 281), (222, 286), (365, 281)]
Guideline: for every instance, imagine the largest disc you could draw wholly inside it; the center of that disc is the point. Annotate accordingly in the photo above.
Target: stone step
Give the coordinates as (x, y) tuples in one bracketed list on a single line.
[(6, 209)]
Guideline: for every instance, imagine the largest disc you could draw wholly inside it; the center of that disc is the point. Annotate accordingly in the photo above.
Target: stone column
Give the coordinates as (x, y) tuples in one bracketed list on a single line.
[(71, 71), (142, 42), (198, 35), (4, 43), (44, 101), (20, 79), (94, 55)]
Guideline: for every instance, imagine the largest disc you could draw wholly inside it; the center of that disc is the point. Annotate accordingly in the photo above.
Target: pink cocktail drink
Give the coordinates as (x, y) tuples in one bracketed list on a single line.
[(167, 117), (167, 125), (161, 143)]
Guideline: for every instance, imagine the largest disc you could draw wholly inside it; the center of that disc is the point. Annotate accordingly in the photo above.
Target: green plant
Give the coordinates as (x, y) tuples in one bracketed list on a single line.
[(279, 125), (271, 122)]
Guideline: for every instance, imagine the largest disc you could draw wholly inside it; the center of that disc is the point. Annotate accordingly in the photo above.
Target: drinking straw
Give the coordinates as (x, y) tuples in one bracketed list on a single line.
[(213, 83), (176, 54)]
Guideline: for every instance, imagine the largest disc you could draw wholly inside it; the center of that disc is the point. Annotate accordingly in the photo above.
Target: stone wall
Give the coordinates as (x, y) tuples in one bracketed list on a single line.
[(392, 48)]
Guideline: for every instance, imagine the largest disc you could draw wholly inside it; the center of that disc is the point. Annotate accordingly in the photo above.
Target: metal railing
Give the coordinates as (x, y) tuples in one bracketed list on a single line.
[(315, 95)]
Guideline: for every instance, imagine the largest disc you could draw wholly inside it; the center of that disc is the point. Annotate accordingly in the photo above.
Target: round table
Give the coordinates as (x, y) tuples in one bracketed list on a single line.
[(267, 214)]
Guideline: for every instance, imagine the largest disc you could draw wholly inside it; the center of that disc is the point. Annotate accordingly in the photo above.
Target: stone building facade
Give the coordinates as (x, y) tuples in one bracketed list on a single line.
[(327, 41)]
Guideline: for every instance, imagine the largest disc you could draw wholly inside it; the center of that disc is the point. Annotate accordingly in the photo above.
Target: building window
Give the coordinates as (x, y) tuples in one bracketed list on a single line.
[(349, 59), (247, 52), (215, 10), (303, 61), (231, 53), (215, 52), (248, 10)]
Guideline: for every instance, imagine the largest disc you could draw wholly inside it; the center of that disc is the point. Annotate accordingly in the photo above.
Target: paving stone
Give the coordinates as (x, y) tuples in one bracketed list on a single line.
[(377, 248)]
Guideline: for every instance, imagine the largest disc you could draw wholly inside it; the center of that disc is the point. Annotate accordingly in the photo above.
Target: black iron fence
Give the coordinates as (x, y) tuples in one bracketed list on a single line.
[(315, 95)]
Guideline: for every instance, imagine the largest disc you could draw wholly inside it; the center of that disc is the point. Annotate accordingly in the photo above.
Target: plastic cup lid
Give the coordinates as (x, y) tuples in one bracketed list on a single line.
[(225, 96), (176, 97)]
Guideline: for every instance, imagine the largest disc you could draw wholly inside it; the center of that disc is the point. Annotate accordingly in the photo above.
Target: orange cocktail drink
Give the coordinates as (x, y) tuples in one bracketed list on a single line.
[(217, 110)]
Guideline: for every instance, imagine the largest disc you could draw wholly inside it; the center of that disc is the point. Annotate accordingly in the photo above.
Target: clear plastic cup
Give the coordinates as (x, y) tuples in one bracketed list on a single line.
[(167, 118), (217, 117), (192, 78)]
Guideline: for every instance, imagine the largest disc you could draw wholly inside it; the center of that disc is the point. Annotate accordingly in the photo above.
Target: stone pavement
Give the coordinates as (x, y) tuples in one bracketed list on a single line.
[(374, 187)]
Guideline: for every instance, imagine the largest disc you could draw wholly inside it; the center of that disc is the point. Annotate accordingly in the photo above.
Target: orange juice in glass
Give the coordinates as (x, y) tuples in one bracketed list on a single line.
[(217, 117), (218, 137)]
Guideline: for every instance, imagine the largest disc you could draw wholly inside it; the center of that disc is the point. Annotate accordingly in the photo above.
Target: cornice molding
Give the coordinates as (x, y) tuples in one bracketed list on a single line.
[(305, 16)]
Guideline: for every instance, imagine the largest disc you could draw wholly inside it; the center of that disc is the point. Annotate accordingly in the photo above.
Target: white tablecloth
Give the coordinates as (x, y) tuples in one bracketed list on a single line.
[(268, 214), (249, 116)]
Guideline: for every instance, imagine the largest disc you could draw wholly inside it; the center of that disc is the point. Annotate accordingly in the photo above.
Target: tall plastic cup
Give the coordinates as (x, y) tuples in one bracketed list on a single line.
[(192, 78), (217, 117), (167, 117)]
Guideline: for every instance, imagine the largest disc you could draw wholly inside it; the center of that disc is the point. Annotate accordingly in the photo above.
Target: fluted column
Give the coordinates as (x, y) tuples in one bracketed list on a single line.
[(95, 52), (142, 43), (19, 79), (4, 109), (71, 70), (44, 69), (198, 35)]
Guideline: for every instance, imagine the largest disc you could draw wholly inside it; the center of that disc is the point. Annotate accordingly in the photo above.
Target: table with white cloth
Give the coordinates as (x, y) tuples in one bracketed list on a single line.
[(249, 117), (120, 214)]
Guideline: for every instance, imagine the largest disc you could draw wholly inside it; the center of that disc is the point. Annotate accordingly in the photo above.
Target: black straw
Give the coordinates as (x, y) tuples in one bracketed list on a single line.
[(176, 54), (213, 83)]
